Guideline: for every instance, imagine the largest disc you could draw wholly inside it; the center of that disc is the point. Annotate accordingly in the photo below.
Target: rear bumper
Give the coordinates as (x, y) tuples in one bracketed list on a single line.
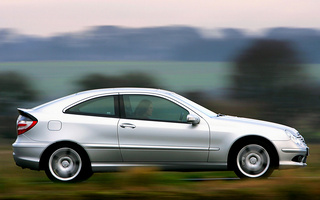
[(25, 162), (27, 155)]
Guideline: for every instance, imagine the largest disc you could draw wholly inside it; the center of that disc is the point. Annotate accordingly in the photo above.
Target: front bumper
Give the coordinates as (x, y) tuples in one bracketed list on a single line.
[(291, 156)]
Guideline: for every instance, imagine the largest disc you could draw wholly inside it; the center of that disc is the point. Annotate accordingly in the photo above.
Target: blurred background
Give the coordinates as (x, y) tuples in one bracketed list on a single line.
[(246, 59)]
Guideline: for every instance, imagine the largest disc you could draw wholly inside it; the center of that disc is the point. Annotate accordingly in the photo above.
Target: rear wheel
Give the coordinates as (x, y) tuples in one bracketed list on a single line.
[(253, 160), (67, 164)]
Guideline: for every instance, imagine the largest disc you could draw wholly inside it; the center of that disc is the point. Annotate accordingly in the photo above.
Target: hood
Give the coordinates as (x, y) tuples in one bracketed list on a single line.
[(256, 122)]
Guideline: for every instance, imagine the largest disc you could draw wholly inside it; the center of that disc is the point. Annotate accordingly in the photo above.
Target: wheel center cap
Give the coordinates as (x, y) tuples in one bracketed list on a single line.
[(253, 160), (65, 163)]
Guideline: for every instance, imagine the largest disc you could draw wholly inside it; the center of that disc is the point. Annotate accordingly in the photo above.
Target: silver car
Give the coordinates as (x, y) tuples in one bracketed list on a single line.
[(111, 129)]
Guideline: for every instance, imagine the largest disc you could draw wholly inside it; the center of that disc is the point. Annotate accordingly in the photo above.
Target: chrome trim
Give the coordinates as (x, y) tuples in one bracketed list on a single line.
[(294, 150), (101, 146), (164, 148)]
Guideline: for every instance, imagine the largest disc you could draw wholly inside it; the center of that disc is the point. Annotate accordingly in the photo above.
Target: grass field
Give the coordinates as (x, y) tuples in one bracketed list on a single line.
[(143, 183), (58, 78)]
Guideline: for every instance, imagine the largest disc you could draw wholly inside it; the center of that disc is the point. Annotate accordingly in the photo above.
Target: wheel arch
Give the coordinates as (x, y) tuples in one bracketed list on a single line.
[(246, 140), (45, 155)]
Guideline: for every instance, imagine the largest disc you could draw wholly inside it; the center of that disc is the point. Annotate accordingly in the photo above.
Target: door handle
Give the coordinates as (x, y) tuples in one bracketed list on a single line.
[(127, 125)]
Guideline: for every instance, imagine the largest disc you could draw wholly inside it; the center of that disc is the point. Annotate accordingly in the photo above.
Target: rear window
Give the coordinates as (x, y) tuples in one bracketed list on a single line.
[(101, 106)]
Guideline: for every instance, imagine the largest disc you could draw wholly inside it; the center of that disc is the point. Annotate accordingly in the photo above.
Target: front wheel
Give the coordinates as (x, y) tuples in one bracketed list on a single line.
[(67, 164), (253, 161)]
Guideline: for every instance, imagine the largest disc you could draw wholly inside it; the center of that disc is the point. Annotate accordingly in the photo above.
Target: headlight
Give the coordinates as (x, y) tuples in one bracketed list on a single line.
[(294, 137)]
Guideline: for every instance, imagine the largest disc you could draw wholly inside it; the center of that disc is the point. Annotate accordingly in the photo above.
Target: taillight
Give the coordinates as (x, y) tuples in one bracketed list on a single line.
[(24, 124)]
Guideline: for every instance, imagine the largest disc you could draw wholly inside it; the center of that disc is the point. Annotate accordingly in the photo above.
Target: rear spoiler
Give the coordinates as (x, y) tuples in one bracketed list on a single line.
[(25, 112)]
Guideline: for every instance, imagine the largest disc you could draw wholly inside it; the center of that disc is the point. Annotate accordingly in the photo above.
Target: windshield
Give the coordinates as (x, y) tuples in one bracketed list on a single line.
[(198, 107)]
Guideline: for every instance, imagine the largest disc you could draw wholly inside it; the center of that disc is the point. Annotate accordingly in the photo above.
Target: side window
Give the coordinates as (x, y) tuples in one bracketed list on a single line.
[(153, 108), (101, 106)]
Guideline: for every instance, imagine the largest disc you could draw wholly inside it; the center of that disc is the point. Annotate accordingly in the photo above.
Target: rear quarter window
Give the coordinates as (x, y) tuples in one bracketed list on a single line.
[(101, 106)]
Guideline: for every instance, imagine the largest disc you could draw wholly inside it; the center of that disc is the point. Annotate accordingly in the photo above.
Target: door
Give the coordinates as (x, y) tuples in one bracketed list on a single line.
[(155, 129), (93, 124)]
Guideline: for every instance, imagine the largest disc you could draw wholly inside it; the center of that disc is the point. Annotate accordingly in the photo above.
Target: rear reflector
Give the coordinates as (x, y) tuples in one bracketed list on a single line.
[(24, 124)]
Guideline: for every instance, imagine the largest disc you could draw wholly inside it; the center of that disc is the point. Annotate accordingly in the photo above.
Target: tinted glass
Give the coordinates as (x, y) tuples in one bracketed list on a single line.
[(153, 108), (102, 106)]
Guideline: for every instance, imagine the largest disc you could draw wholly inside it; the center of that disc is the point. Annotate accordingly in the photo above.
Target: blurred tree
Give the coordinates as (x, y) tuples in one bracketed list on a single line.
[(269, 73), (264, 68), (15, 89), (96, 81)]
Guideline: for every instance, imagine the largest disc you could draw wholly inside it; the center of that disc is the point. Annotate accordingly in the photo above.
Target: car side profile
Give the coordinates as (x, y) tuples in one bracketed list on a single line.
[(111, 129)]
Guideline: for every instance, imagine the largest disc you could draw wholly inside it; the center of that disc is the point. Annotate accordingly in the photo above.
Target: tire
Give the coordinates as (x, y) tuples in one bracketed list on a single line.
[(253, 160), (67, 164)]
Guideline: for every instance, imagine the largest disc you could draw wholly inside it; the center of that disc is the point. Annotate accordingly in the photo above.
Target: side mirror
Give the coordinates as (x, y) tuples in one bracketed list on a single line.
[(192, 119)]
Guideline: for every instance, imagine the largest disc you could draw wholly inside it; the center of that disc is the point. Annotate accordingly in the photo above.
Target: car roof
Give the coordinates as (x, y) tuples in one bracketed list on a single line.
[(124, 90), (70, 99)]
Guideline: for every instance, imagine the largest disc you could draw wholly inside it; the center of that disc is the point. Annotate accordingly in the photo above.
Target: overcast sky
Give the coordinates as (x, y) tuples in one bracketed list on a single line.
[(49, 17)]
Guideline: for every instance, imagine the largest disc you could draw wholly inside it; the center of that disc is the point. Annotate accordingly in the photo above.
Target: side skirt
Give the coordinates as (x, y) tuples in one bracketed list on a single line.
[(179, 166)]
